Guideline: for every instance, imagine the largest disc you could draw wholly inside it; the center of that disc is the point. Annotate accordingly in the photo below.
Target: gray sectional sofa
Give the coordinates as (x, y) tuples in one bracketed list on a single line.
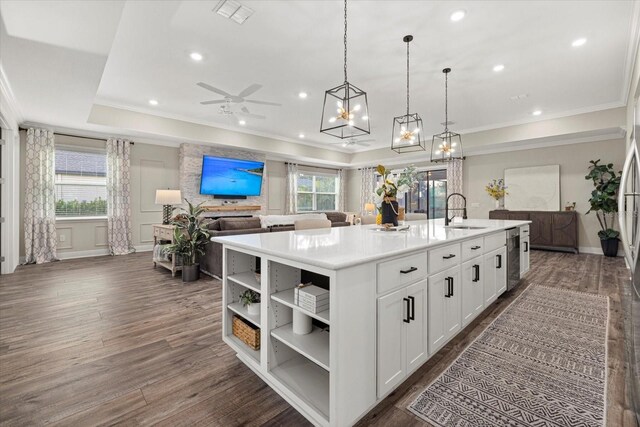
[(211, 261)]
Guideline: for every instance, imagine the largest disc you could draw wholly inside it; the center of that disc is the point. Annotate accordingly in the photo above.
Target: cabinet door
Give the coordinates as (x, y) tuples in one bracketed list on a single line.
[(501, 271), (392, 316), (472, 289), (564, 229), (490, 294), (453, 304), (524, 256), (416, 329), (540, 230), (438, 288)]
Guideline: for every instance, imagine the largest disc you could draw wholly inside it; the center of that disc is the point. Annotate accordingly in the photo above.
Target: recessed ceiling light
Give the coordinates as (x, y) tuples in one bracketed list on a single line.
[(302, 95), (196, 56), (579, 42), (153, 101), (242, 122), (498, 68), (537, 113), (301, 136), (458, 15)]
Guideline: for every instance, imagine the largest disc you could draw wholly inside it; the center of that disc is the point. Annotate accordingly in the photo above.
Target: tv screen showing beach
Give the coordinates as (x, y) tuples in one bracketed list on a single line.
[(230, 177)]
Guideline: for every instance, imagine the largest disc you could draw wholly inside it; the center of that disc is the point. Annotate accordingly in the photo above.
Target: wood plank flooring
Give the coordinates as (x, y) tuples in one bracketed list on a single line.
[(110, 340)]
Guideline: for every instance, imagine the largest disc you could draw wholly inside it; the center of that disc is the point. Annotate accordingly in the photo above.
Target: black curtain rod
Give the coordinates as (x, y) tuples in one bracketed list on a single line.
[(78, 136), (309, 166)]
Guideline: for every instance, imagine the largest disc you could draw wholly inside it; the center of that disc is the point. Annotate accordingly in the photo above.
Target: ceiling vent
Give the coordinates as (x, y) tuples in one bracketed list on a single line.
[(233, 10)]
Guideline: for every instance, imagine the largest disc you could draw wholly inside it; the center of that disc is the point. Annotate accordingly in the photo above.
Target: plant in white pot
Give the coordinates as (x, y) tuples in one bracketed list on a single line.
[(189, 240), (251, 300)]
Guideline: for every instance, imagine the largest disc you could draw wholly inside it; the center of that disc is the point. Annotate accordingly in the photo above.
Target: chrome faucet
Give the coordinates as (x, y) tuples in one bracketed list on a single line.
[(447, 220)]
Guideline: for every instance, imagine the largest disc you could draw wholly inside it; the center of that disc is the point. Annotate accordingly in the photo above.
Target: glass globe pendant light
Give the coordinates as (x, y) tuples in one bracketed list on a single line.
[(407, 129), (446, 146), (345, 113)]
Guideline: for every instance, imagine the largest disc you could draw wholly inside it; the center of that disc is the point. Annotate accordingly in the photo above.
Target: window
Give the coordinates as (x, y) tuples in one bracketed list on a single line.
[(430, 195), (81, 183), (317, 192)]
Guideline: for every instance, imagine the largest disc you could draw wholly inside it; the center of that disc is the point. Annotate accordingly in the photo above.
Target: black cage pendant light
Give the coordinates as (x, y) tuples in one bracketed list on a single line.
[(407, 129), (446, 146), (345, 113)]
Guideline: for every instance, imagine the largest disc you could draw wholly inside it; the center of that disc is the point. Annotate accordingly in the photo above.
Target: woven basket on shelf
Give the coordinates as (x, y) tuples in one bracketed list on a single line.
[(248, 334)]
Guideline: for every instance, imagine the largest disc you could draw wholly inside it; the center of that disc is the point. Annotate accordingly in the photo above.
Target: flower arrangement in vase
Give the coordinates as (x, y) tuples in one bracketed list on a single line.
[(497, 190), (392, 185)]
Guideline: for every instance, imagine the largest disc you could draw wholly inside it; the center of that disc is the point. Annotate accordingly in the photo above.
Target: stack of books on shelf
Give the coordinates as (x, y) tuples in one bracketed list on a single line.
[(311, 297)]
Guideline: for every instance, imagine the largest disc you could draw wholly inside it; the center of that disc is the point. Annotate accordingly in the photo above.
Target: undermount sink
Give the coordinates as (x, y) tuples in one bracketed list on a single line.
[(464, 227)]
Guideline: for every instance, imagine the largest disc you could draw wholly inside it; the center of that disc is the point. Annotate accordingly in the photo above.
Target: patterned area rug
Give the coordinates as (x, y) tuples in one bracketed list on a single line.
[(542, 362)]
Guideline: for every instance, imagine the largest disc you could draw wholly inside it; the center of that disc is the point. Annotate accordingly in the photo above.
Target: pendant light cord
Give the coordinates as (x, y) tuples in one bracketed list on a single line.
[(446, 102), (345, 41), (408, 83)]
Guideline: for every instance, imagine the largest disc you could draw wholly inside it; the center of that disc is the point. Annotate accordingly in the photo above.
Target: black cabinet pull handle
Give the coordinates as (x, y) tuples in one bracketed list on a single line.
[(447, 280), (448, 256), (411, 270), (476, 273), (499, 261), (451, 284), (407, 307), (526, 247), (473, 248), (412, 316)]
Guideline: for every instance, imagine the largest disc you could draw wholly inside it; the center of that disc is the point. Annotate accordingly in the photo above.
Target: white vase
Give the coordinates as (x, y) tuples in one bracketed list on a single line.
[(254, 309), (497, 203)]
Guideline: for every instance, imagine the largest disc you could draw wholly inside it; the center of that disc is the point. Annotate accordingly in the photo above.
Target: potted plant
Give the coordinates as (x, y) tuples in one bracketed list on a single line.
[(392, 185), (496, 190), (189, 240), (251, 300), (604, 202)]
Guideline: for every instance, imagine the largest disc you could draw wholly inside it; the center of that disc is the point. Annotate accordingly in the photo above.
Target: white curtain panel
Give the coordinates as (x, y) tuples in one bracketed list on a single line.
[(454, 184), (367, 186), (342, 190), (119, 197), (291, 192), (40, 236)]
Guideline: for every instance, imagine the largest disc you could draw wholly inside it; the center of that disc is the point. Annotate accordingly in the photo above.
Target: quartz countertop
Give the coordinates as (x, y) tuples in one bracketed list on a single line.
[(342, 247)]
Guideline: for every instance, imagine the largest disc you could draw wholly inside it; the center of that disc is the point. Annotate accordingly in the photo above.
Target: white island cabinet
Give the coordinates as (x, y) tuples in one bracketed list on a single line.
[(395, 298)]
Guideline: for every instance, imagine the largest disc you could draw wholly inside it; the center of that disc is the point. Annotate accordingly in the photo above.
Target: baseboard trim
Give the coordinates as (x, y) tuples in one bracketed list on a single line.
[(595, 250), (92, 253)]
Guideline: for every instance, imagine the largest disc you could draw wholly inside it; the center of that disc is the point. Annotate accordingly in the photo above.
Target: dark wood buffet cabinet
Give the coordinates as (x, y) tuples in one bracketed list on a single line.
[(548, 230)]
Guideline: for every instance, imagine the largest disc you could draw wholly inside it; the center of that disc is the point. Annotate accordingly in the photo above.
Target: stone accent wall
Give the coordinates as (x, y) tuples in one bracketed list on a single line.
[(191, 168)]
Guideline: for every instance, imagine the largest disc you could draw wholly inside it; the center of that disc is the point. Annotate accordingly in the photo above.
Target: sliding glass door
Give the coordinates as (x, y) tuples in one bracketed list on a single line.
[(430, 195)]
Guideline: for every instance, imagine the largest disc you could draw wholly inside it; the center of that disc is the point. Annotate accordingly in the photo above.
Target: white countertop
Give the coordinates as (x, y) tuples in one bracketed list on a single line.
[(342, 247)]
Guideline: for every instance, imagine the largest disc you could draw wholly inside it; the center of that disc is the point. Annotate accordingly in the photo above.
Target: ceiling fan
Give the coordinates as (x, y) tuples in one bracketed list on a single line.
[(236, 99), (226, 110), (351, 142)]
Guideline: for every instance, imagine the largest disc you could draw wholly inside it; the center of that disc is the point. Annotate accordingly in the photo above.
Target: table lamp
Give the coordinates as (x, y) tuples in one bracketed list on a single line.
[(369, 208), (167, 198)]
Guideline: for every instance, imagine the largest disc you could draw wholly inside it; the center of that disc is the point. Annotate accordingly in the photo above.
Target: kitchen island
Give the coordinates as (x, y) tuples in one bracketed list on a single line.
[(395, 298)]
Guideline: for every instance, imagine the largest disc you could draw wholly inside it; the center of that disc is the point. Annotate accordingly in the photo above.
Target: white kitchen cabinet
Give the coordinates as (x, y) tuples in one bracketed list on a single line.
[(524, 255), (495, 274), (472, 289), (445, 310), (402, 334)]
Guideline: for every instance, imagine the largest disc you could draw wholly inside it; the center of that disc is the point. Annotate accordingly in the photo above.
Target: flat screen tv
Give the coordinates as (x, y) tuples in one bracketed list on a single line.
[(222, 176)]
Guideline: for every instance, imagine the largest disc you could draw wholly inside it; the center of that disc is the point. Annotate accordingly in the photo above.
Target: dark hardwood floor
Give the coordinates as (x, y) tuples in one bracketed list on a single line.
[(110, 340)]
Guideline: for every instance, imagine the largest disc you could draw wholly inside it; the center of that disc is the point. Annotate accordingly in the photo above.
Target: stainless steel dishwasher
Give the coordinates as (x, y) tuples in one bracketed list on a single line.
[(513, 257)]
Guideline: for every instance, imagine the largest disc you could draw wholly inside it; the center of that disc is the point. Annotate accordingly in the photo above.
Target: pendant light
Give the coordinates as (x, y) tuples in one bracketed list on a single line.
[(407, 129), (345, 113), (446, 146)]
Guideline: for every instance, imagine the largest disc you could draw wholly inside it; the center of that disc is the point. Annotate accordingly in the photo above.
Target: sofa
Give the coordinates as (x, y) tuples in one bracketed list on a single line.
[(211, 260)]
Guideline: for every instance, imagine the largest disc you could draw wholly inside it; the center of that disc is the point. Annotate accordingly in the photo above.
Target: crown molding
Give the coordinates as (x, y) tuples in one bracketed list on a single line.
[(14, 112)]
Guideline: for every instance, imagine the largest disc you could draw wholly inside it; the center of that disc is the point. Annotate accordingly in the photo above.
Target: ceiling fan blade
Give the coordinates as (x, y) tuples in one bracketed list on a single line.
[(217, 101), (365, 140), (275, 104), (253, 116), (214, 89), (250, 90), (245, 110), (364, 144)]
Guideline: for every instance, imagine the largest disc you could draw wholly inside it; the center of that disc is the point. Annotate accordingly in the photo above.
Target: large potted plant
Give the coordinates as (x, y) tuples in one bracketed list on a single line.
[(604, 202), (189, 240)]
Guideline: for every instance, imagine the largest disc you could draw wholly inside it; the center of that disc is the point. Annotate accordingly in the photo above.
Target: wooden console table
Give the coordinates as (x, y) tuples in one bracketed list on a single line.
[(549, 229), (165, 232), (231, 208)]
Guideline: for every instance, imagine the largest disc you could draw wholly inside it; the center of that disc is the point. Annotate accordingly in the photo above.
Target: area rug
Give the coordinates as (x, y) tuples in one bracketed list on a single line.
[(542, 362)]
